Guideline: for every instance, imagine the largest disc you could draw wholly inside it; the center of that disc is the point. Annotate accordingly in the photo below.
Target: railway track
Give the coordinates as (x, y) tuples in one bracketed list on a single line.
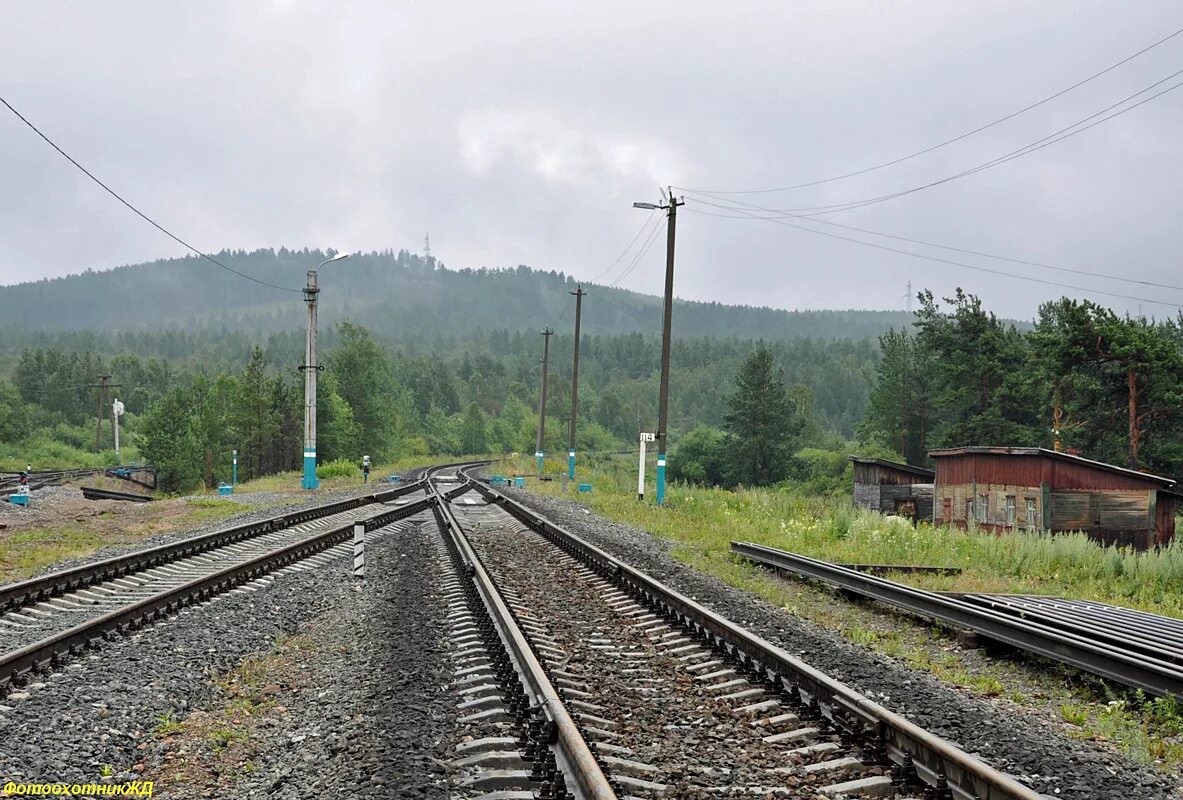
[(49, 618), (1144, 651), (9, 481), (582, 676)]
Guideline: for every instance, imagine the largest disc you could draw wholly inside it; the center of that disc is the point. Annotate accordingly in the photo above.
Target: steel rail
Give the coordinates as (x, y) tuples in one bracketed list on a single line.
[(15, 595), (93, 493), (51, 650), (932, 757), (572, 753), (20, 593), (1026, 632)]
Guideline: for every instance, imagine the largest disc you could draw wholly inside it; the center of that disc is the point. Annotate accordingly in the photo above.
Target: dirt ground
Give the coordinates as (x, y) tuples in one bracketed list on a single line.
[(61, 524)]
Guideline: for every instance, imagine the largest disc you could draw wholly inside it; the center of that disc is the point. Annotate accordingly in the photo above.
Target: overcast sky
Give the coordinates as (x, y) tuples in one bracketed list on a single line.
[(521, 133)]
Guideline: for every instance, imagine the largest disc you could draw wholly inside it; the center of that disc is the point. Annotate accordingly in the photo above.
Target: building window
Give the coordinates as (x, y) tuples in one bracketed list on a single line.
[(1032, 519), (969, 511), (1010, 510), (983, 508)]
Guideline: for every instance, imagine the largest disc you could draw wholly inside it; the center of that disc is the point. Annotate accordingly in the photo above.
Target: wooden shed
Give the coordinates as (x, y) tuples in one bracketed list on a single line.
[(893, 488), (1031, 488)]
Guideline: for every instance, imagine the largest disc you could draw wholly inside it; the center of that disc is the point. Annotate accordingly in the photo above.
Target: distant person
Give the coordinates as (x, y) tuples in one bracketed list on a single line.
[(365, 469), (23, 487)]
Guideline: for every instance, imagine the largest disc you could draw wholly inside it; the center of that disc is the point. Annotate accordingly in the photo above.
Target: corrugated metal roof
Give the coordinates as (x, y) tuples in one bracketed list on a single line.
[(1044, 452)]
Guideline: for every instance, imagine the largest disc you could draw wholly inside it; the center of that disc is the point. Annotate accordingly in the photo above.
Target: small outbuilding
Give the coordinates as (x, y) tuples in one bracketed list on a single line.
[(893, 488), (1004, 489)]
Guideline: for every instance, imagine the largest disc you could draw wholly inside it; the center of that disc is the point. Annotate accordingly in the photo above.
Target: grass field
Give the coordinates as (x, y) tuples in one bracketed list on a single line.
[(702, 523)]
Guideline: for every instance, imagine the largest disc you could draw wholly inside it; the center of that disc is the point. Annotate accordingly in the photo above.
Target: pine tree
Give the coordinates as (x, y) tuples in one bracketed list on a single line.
[(762, 420)]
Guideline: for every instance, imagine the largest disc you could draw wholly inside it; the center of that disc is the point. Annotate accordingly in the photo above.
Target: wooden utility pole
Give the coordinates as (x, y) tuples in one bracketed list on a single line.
[(667, 314), (538, 453), (579, 293), (102, 386)]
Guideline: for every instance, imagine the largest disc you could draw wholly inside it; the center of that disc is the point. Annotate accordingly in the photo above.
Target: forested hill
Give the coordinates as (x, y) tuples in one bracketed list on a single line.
[(392, 294)]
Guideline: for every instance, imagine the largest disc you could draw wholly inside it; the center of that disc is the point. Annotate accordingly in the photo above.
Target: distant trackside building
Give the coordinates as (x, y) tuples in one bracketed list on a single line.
[(1030, 488), (893, 488)]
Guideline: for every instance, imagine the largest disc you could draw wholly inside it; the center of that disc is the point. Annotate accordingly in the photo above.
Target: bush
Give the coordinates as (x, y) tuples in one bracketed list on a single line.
[(339, 468)]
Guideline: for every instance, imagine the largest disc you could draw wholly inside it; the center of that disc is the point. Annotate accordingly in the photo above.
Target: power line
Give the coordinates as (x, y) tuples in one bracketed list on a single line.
[(648, 221), (640, 254), (950, 262), (141, 214), (965, 135), (831, 223), (1039, 144)]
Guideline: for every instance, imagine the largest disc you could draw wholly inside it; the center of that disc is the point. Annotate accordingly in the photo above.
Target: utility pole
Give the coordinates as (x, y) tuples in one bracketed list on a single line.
[(579, 293), (103, 385), (427, 246), (908, 296), (311, 290), (310, 368), (538, 454), (671, 207)]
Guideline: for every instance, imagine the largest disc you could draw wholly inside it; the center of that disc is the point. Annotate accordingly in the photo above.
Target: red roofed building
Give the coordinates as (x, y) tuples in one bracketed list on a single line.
[(1029, 488)]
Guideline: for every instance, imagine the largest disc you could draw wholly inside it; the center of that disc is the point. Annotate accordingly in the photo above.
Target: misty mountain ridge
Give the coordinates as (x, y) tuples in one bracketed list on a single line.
[(390, 293)]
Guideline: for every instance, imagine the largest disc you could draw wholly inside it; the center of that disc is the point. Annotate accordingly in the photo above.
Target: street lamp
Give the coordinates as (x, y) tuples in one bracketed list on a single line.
[(671, 207), (310, 368)]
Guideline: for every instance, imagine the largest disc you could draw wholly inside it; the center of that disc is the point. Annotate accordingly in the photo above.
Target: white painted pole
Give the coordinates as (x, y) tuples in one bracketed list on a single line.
[(641, 471), (359, 550)]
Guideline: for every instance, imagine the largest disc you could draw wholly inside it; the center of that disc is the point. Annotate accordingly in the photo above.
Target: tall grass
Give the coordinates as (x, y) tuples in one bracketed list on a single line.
[(705, 521)]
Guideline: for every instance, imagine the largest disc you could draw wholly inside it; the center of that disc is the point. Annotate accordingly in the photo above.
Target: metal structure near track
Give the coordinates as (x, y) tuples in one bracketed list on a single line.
[(38, 480), (1129, 651), (935, 761)]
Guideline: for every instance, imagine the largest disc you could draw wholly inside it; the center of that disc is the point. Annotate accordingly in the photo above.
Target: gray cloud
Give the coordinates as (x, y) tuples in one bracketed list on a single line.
[(523, 135)]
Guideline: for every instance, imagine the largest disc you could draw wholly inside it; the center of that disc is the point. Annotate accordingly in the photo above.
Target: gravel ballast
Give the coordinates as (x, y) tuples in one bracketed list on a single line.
[(1032, 750), (361, 714)]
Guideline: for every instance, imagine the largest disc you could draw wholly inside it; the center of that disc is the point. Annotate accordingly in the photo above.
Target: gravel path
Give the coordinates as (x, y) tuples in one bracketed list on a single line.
[(361, 711), (1032, 750)]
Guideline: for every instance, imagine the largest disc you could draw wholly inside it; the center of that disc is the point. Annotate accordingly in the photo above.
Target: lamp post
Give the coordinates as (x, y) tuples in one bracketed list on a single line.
[(310, 368), (671, 206)]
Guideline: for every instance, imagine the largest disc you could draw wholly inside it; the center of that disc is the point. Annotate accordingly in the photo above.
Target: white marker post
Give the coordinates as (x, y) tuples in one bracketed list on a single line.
[(645, 438), (359, 550)]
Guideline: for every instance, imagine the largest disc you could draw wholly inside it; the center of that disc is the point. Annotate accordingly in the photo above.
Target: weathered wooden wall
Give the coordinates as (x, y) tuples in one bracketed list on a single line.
[(866, 495), (922, 493)]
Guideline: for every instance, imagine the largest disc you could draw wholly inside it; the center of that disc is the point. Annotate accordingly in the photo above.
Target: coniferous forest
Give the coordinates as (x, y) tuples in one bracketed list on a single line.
[(423, 360)]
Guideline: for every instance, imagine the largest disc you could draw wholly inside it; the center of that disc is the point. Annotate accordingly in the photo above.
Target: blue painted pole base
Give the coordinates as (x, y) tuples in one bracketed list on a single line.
[(570, 465), (310, 479), (541, 458), (660, 478)]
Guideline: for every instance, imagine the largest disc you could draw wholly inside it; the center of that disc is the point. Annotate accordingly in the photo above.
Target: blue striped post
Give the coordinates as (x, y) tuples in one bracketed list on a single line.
[(660, 478), (310, 479), (571, 464), (538, 455)]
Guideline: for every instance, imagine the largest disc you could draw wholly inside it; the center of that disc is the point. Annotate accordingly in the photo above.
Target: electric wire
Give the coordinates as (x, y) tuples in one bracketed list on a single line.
[(925, 243), (955, 139), (141, 214), (619, 258), (640, 255), (1039, 144), (950, 262)]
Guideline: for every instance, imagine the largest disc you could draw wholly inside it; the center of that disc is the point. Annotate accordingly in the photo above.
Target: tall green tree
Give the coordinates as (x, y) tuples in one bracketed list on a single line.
[(899, 405), (762, 422), (168, 441), (977, 364), (473, 436)]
